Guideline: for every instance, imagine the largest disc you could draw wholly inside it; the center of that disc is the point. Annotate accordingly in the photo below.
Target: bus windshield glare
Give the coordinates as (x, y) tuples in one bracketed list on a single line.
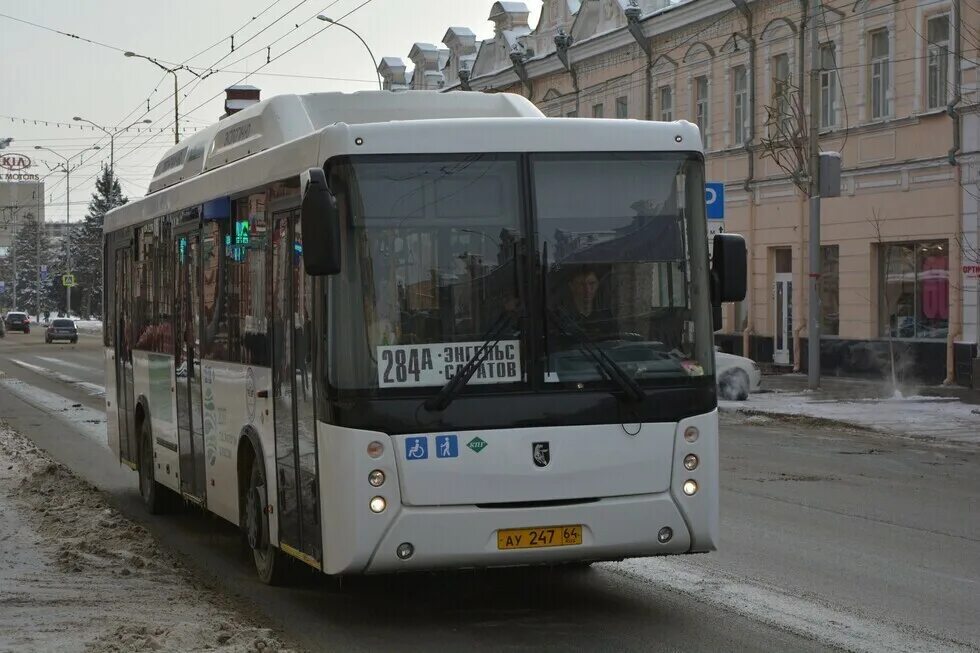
[(597, 259)]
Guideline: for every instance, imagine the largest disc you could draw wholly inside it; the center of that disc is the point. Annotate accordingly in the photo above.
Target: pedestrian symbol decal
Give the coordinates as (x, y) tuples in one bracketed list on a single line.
[(416, 448), (447, 446), (477, 444)]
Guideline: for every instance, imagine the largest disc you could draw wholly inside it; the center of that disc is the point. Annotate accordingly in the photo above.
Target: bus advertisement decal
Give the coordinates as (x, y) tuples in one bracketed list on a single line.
[(434, 364)]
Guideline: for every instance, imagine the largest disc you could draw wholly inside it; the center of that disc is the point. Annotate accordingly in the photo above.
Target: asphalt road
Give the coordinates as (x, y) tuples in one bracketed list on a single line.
[(829, 540)]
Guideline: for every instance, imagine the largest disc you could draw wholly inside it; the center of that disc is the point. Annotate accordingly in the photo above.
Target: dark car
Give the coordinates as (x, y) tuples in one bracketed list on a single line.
[(61, 329), (17, 321)]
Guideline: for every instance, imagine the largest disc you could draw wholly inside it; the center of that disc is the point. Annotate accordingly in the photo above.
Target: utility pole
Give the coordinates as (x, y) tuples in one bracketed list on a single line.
[(813, 324), (172, 71)]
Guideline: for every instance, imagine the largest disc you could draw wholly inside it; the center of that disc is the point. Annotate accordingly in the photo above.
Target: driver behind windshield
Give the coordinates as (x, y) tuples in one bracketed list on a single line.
[(583, 306)]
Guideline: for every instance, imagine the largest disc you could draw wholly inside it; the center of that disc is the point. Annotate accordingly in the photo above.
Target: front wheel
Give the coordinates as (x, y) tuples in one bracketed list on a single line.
[(271, 564)]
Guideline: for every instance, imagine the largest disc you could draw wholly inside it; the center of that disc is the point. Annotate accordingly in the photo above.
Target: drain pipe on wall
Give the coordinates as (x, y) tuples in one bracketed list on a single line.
[(563, 42), (749, 36), (956, 293), (633, 23)]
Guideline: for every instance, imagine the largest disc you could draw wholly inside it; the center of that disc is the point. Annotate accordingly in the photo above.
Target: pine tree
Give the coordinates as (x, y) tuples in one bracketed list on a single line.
[(86, 243), (31, 249)]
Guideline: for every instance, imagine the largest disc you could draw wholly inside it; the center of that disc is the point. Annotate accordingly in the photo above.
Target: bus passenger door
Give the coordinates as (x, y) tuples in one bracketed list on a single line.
[(292, 380), (124, 354), (187, 365)]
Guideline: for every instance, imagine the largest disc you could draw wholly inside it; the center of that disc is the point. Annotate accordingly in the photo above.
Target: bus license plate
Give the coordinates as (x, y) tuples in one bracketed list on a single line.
[(539, 537)]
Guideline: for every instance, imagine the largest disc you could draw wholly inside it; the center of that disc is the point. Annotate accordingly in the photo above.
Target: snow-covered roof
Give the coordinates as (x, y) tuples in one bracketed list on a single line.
[(238, 104)]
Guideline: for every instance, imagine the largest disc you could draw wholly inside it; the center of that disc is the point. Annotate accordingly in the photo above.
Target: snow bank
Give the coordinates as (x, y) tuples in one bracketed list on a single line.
[(75, 574), (936, 418)]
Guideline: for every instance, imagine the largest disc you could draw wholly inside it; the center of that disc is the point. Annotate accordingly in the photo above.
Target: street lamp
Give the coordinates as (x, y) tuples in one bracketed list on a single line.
[(66, 167), (112, 137), (172, 71), (374, 61)]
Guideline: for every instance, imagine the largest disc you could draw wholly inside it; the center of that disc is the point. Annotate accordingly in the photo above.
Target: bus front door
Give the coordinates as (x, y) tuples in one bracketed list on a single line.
[(292, 381), (187, 366), (124, 355)]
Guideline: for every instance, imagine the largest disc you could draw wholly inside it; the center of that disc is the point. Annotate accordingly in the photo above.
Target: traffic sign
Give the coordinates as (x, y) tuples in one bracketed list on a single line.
[(714, 200), (68, 280)]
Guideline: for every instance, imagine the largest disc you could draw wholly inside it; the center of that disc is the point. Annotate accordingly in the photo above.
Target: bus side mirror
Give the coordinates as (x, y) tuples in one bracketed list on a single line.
[(321, 225), (728, 269)]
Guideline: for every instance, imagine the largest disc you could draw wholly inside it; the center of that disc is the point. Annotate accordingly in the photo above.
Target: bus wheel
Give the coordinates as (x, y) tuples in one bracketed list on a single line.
[(272, 566), (157, 498)]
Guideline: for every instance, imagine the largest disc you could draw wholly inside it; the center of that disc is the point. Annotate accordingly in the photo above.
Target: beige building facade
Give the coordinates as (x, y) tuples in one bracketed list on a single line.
[(897, 96)]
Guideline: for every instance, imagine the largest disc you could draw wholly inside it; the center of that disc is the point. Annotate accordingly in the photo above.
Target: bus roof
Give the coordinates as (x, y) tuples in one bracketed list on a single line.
[(296, 132), (283, 118)]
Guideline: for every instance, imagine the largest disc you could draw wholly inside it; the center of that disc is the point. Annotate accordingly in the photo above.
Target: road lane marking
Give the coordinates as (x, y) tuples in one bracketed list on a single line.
[(74, 366), (789, 612), (88, 422), (92, 388)]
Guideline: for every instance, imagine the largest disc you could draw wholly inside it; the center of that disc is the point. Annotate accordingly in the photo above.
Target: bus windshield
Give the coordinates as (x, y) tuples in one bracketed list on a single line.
[(608, 260)]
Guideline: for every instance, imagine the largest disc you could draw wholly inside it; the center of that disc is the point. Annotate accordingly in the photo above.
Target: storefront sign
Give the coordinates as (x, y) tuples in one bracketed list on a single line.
[(15, 167)]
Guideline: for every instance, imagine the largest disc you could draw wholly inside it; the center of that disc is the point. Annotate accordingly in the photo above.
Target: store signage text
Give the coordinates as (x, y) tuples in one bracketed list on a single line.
[(15, 166)]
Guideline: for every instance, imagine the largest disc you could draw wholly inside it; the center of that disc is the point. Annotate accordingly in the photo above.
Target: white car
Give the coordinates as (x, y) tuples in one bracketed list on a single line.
[(737, 376)]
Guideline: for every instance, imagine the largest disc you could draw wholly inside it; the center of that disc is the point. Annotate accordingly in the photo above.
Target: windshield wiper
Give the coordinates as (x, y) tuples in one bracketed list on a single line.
[(612, 369), (449, 391)]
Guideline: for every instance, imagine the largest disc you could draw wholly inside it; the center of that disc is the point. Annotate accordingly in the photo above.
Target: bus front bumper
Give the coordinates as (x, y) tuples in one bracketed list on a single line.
[(466, 536)]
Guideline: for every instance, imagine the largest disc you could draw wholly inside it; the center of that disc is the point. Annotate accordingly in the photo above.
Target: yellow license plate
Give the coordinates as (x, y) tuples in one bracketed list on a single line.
[(539, 537)]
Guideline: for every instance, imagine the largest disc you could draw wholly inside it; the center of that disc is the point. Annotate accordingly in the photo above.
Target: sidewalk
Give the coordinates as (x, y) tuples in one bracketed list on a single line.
[(934, 413)]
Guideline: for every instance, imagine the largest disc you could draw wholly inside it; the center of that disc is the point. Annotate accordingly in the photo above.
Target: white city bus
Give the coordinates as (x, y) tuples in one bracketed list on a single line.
[(384, 332)]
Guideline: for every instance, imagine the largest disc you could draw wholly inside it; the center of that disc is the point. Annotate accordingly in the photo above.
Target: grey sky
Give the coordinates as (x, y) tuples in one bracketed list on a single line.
[(46, 76)]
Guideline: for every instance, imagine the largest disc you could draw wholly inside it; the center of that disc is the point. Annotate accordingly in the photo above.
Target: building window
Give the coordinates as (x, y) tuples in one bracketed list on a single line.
[(937, 62), (830, 290), (701, 107), (914, 289), (879, 73), (781, 90), (597, 110), (666, 103), (572, 114), (828, 85), (622, 108), (740, 104)]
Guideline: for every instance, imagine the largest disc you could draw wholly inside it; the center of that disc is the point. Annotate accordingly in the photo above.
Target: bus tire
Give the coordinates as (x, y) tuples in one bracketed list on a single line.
[(272, 565), (157, 498)]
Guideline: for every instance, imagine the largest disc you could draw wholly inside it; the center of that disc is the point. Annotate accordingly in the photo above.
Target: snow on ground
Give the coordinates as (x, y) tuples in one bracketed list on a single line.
[(89, 326), (936, 418), (75, 575)]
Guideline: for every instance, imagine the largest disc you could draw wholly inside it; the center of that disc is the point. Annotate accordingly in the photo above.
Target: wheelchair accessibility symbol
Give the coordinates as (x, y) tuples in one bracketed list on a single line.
[(416, 448)]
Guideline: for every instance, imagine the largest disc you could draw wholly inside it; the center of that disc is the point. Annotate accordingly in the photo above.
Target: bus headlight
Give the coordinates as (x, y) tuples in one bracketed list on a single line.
[(377, 478), (690, 462), (690, 487), (378, 504), (376, 449), (691, 434)]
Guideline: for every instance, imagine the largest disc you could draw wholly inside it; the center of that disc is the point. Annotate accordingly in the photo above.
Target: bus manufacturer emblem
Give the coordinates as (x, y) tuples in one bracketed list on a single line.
[(541, 453), (477, 444)]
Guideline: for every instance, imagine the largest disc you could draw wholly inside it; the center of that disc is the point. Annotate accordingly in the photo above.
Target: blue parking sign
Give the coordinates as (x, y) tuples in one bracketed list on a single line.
[(714, 200)]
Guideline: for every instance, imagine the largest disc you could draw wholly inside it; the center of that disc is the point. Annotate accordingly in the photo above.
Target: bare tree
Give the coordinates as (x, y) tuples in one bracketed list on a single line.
[(787, 140), (892, 291)]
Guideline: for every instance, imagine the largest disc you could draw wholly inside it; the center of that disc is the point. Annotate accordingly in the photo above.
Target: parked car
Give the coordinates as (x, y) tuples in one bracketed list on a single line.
[(737, 376), (17, 321), (61, 329)]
